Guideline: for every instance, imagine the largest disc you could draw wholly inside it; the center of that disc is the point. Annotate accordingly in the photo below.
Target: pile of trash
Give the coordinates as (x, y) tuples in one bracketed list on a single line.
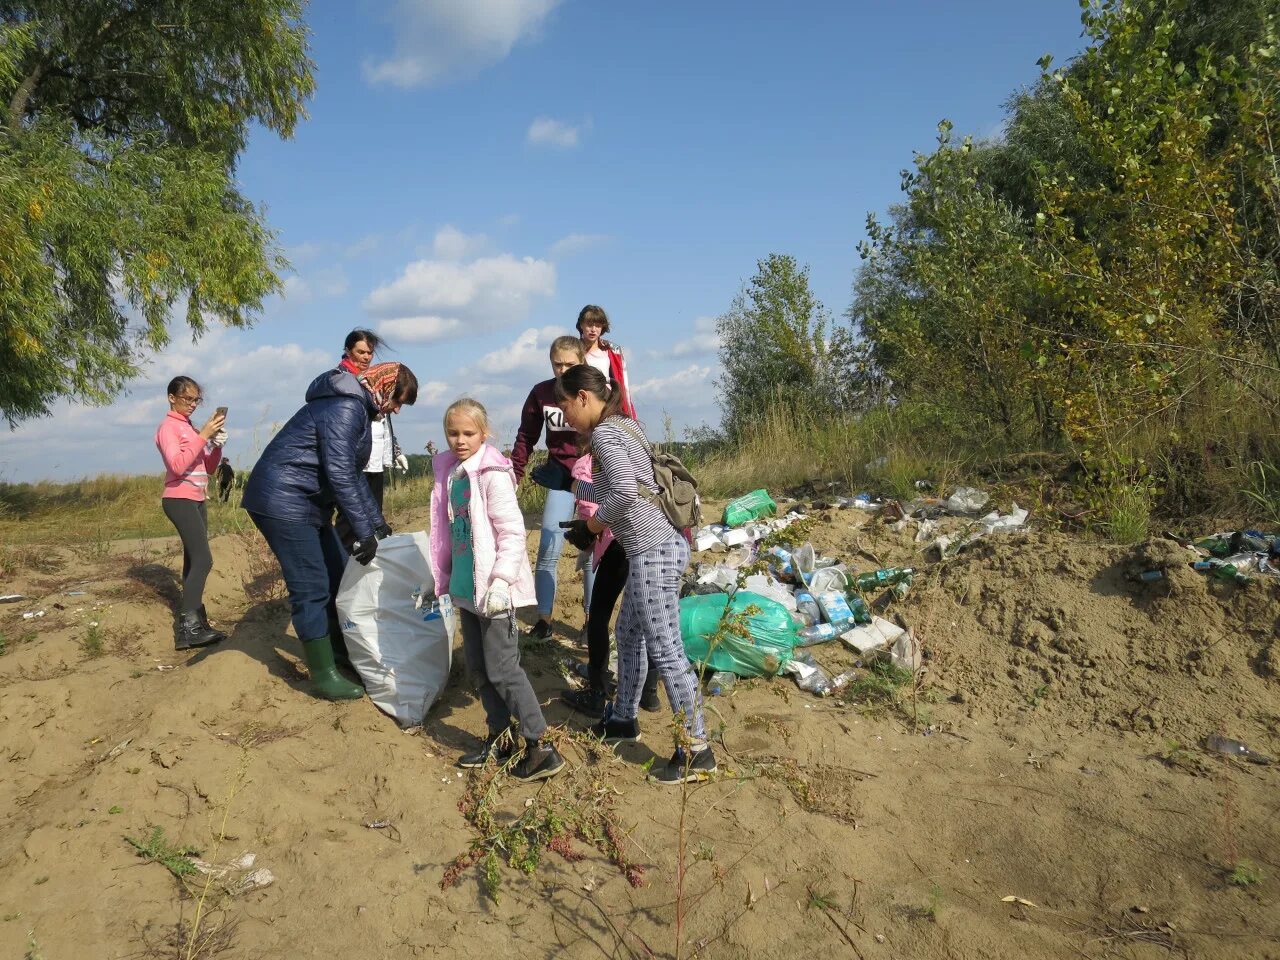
[(751, 610), (1240, 556)]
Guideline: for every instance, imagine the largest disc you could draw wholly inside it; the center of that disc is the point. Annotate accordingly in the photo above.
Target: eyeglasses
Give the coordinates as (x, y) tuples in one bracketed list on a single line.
[(192, 401)]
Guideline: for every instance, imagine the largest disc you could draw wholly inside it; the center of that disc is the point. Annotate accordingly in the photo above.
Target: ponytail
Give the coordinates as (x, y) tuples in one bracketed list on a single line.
[(583, 376)]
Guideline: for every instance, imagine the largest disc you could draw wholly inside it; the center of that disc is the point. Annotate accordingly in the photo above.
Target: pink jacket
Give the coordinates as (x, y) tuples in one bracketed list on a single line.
[(188, 459), (497, 526), (582, 471)]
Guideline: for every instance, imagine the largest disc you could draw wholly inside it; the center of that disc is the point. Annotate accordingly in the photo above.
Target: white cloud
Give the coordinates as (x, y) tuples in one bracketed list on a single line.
[(300, 290), (576, 243), (452, 244), (675, 385), (705, 340), (431, 392), (439, 299), (528, 353), (437, 39), (549, 132)]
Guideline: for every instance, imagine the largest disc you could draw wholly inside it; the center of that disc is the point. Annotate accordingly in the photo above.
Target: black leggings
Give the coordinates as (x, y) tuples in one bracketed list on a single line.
[(192, 521), (611, 579)]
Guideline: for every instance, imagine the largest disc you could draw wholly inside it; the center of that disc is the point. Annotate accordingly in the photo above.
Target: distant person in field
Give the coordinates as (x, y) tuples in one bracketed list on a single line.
[(358, 352), (541, 414), (226, 479), (478, 556), (313, 464), (189, 456)]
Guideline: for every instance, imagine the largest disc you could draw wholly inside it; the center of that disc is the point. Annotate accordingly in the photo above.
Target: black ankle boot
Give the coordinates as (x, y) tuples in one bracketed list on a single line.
[(204, 622), (189, 632), (540, 761), (611, 729), (588, 701), (498, 747)]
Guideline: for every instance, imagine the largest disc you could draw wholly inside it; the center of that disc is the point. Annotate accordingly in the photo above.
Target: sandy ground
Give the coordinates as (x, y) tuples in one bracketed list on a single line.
[(1052, 753)]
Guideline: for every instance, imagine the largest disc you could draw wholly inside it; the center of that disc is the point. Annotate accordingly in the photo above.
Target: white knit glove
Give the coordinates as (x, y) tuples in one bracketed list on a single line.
[(402, 463), (219, 438), (497, 600)]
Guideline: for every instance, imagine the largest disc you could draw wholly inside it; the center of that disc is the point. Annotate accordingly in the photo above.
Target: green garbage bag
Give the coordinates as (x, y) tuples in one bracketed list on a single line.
[(752, 506), (772, 634)]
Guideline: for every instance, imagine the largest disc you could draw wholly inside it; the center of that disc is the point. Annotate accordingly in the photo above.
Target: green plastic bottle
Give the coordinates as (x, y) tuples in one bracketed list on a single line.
[(752, 506), (882, 578)]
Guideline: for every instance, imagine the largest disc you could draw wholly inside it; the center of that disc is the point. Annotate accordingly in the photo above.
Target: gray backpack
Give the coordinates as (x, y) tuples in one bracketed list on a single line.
[(677, 495)]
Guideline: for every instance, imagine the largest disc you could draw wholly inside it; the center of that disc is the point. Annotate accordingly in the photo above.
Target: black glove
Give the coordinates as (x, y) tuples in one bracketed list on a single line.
[(365, 550), (578, 533), (382, 530), (553, 476)]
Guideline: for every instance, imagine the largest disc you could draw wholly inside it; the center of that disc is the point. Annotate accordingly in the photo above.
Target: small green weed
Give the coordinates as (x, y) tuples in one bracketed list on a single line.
[(1244, 874), (934, 903), (1127, 508), (175, 858), (33, 947), (116, 809), (820, 901), (92, 644), (1264, 491), (42, 880)]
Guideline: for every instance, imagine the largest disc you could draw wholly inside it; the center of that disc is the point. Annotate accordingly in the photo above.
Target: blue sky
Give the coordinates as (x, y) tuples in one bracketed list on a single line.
[(474, 171)]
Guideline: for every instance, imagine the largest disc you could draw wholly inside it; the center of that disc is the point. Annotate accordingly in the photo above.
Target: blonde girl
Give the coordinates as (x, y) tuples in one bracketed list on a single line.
[(478, 557)]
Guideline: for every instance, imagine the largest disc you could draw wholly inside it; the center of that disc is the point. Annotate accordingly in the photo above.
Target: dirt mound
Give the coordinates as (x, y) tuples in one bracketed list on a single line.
[(1041, 622)]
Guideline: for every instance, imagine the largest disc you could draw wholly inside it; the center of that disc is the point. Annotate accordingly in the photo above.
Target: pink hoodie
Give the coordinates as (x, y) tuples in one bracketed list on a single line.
[(582, 471), (497, 526), (188, 458)]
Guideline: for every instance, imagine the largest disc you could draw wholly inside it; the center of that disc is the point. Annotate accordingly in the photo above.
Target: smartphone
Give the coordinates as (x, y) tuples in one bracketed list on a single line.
[(222, 412)]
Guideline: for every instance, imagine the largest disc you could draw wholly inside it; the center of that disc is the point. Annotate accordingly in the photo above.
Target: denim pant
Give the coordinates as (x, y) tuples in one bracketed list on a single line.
[(312, 561), (559, 507)]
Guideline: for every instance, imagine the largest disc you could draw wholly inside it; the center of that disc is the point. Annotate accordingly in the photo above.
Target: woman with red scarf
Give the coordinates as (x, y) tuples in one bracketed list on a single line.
[(357, 357)]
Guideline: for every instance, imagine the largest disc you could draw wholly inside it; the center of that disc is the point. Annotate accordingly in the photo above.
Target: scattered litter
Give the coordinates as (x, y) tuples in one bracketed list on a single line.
[(809, 675), (167, 666), (390, 830), (1018, 900), (720, 683), (751, 506), (75, 593), (33, 615), (115, 751), (219, 870), (1234, 748), (879, 634), (255, 880), (965, 501), (12, 597)]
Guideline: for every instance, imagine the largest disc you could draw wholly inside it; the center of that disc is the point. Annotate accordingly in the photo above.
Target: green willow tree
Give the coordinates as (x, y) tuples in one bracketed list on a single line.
[(120, 125), (777, 345)]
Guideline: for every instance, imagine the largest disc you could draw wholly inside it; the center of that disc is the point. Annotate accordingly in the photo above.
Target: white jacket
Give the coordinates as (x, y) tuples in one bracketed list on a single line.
[(380, 451)]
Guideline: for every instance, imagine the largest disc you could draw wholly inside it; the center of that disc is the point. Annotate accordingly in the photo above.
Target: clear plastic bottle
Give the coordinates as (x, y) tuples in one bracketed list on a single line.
[(720, 683), (808, 608)]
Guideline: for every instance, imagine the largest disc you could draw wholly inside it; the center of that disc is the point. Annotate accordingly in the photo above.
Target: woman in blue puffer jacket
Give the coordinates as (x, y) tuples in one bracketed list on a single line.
[(316, 462)]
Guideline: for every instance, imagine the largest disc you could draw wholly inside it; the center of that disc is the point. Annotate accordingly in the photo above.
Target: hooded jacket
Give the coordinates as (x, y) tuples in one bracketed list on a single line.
[(498, 545), (317, 459)]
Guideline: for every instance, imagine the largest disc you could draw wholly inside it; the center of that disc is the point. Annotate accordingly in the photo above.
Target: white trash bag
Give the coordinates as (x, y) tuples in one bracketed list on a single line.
[(402, 653)]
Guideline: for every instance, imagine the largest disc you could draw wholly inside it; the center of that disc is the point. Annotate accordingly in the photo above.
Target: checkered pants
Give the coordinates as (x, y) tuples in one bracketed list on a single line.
[(649, 630)]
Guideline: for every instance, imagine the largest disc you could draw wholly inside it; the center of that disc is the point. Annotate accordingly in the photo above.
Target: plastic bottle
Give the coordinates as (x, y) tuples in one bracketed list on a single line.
[(882, 578), (808, 608), (1223, 571), (720, 683), (822, 632)]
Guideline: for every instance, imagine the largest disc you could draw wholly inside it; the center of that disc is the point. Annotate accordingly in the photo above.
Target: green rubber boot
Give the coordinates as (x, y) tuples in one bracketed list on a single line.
[(325, 678)]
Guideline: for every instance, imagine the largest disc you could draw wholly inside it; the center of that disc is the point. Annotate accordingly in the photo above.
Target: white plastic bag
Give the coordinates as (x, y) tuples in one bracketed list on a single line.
[(401, 653)]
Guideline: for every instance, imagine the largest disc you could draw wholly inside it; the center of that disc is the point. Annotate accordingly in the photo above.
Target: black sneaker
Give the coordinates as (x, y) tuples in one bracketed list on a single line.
[(588, 701), (496, 746), (612, 729), (540, 761), (540, 630), (685, 767)]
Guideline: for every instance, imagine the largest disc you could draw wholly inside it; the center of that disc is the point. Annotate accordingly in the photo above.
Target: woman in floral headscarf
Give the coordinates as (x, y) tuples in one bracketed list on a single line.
[(380, 380)]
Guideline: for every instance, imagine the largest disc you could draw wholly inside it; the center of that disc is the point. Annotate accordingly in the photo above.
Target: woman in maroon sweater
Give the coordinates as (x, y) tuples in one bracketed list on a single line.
[(542, 413)]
